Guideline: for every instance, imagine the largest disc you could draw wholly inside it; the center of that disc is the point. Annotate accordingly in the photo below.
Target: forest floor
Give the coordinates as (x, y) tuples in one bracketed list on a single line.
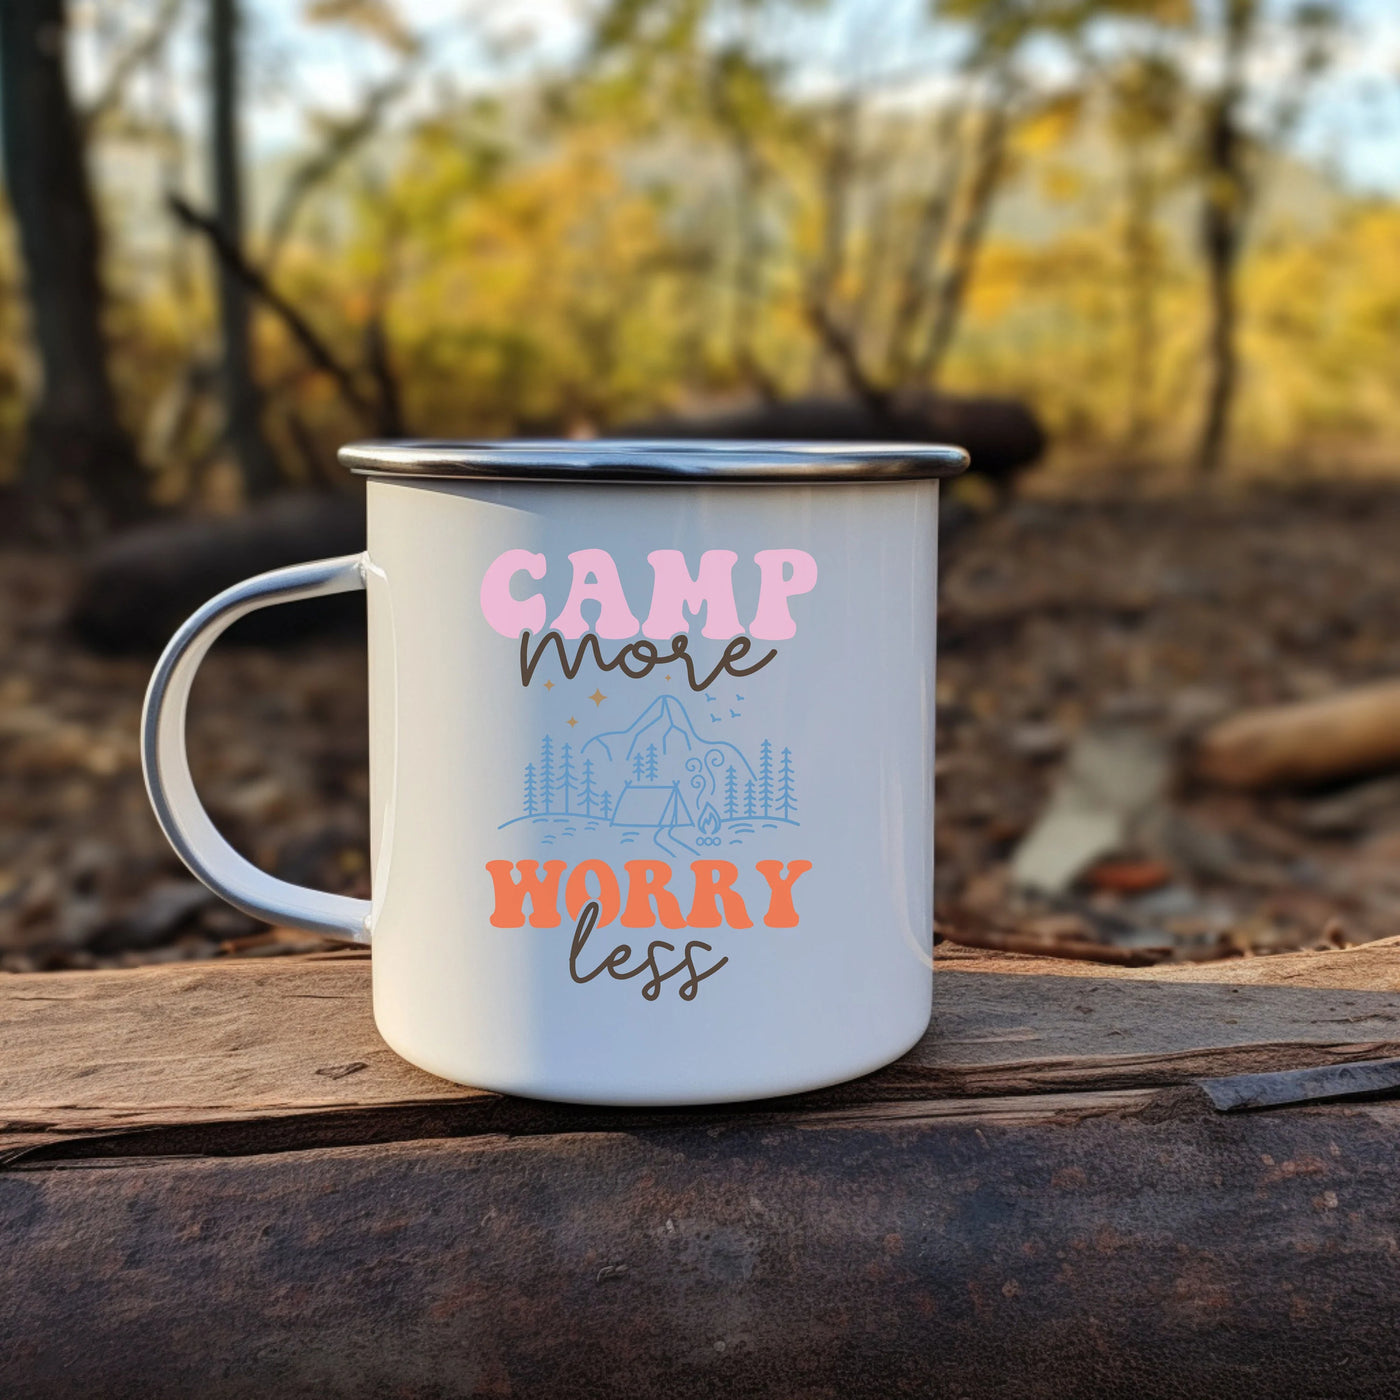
[(1060, 616)]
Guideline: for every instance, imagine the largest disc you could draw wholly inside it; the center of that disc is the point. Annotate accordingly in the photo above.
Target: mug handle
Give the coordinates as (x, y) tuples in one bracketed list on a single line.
[(167, 770)]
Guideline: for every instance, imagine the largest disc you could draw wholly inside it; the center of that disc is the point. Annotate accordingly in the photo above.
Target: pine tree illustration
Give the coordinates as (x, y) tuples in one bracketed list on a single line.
[(529, 789), (547, 773), (651, 763), (637, 765), (731, 793), (566, 775), (765, 776), (787, 803), (748, 799), (586, 795), (605, 807)]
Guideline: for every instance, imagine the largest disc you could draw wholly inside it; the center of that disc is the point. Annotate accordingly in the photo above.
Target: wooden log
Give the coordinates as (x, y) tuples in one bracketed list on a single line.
[(287, 1047), (1301, 745), (1003, 436), (1368, 967), (1163, 1253), (215, 1178), (139, 586)]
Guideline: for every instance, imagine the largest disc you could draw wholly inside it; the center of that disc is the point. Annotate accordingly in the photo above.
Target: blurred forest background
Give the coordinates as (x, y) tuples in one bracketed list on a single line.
[(238, 233), (249, 232)]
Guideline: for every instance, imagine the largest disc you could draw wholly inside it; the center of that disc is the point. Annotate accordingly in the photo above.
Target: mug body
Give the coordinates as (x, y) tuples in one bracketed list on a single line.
[(651, 781)]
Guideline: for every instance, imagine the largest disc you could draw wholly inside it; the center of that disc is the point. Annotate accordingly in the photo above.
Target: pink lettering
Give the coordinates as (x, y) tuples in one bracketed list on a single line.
[(712, 588), (511, 616), (773, 622), (595, 578)]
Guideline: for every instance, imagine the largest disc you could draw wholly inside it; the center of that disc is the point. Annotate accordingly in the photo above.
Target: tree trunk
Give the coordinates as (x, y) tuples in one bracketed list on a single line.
[(748, 272), (80, 470), (921, 267), (1140, 254), (1220, 347), (242, 399), (1222, 233), (951, 288)]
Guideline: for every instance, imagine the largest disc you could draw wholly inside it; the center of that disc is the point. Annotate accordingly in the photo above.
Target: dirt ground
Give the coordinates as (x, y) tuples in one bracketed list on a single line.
[(1058, 616)]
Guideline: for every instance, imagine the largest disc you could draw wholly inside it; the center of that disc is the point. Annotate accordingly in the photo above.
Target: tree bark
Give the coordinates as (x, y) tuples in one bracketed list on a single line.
[(748, 272), (1140, 254), (220, 1171), (966, 240), (242, 398), (836, 333), (921, 267), (1222, 235), (80, 470)]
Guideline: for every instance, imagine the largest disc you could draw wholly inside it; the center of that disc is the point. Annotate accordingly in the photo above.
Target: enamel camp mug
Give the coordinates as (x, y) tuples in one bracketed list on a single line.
[(651, 761)]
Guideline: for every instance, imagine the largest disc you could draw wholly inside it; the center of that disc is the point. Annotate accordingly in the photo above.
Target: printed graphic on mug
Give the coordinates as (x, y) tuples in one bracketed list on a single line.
[(660, 820)]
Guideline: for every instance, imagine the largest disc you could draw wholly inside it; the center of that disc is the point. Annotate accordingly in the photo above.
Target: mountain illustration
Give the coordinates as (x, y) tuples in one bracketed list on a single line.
[(661, 760), (662, 774), (664, 724)]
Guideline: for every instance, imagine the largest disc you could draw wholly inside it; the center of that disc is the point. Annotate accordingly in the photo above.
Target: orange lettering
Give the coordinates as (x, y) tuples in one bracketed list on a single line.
[(781, 913), (714, 881), (576, 893), (646, 881), (510, 893)]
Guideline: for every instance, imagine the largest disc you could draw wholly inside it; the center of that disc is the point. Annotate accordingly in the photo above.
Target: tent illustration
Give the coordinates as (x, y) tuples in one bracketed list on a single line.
[(639, 805)]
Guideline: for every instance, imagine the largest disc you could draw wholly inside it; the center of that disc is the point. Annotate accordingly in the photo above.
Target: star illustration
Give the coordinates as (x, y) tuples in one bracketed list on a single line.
[(549, 685), (668, 678), (597, 697), (571, 721)]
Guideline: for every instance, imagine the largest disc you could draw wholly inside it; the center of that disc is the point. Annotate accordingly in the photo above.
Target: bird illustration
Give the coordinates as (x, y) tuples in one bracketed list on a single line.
[(709, 697), (714, 719), (738, 697), (734, 714)]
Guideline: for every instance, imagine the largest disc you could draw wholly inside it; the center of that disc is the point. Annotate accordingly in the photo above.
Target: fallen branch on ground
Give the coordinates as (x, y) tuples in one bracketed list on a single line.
[(1349, 734), (1037, 945)]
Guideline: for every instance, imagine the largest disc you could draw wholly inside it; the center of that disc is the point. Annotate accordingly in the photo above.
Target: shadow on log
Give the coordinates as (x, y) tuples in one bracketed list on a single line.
[(138, 587)]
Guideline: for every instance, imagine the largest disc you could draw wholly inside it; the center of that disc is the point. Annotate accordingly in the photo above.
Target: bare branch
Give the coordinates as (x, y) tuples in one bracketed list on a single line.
[(921, 269), (840, 346), (838, 340), (316, 349), (143, 48), (318, 167), (748, 271), (748, 262), (966, 240), (381, 370), (838, 174)]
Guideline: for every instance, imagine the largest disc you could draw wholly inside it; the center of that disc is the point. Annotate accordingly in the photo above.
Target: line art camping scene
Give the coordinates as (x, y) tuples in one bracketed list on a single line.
[(658, 782)]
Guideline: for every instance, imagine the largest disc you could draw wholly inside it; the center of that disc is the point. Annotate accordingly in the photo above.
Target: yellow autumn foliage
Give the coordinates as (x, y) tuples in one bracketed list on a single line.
[(583, 277)]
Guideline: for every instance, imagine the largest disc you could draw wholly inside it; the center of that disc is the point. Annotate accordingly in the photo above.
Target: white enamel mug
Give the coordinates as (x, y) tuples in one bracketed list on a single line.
[(651, 761)]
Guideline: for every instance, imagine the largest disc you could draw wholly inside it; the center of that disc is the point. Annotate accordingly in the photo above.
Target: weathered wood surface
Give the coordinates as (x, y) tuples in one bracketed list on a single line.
[(220, 1182), (262, 1042), (1369, 967)]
